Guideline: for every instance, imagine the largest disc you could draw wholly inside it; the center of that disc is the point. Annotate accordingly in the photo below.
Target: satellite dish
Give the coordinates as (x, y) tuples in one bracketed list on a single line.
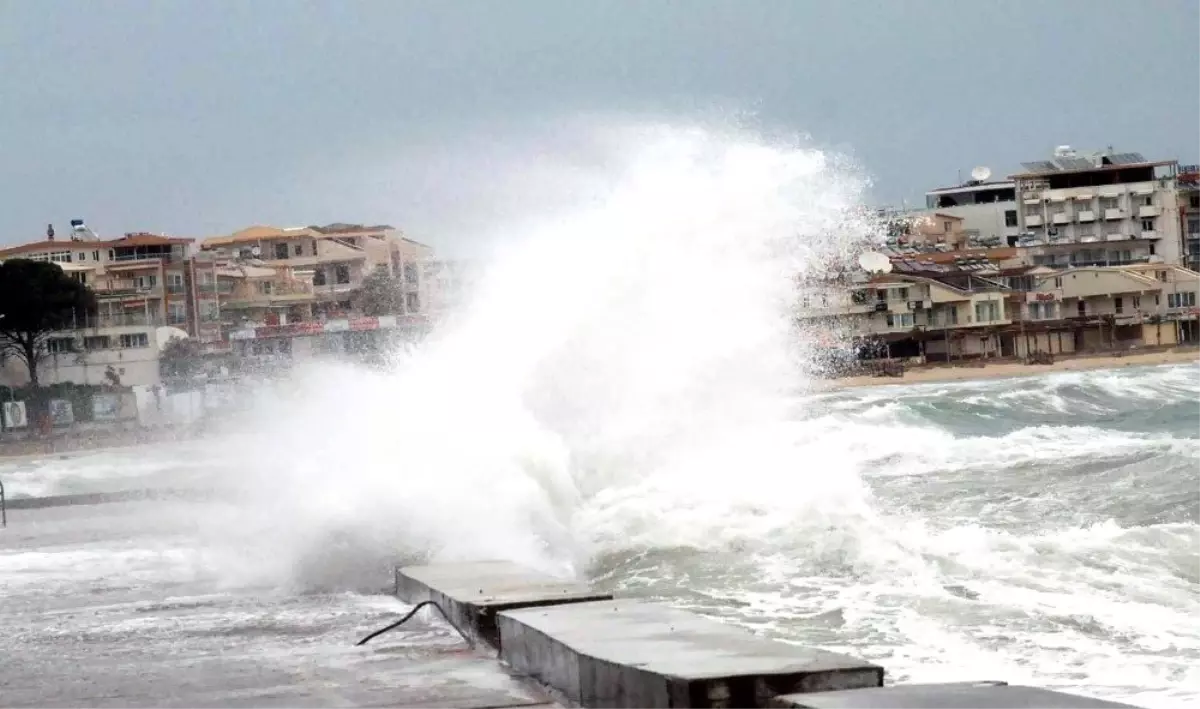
[(981, 173), (875, 262)]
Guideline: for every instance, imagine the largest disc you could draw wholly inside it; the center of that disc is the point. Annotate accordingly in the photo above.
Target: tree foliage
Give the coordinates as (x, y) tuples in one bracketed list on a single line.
[(180, 358), (381, 294), (36, 299)]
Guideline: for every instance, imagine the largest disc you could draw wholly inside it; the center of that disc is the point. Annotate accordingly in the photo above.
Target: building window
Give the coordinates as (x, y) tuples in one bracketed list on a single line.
[(412, 302), (987, 312), (342, 274), (1058, 283), (895, 320), (145, 282), (1010, 217), (1181, 300), (176, 313), (1137, 302), (1081, 308), (298, 249), (1118, 305), (209, 311), (410, 274), (1147, 225), (82, 256), (174, 282), (97, 342), (281, 250), (60, 345), (319, 277), (134, 340), (95, 255)]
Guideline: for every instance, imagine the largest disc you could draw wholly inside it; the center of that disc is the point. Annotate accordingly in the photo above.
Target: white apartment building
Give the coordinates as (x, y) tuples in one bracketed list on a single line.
[(1099, 209), (121, 354), (988, 211)]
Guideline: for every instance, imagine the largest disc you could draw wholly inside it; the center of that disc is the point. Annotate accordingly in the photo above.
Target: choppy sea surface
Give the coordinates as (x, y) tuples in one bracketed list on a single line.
[(1040, 530)]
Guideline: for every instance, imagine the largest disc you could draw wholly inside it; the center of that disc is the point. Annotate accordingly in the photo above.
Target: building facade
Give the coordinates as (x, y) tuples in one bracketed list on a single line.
[(1099, 209), (145, 286)]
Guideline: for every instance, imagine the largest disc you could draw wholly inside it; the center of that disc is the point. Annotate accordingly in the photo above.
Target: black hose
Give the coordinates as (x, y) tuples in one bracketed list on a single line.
[(409, 615)]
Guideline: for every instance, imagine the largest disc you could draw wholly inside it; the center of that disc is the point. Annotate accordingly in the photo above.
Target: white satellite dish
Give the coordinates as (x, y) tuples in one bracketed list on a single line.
[(875, 262), (981, 173)]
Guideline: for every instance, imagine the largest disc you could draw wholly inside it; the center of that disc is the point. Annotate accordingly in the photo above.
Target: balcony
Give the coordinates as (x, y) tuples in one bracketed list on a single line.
[(1151, 235), (1085, 215), (1147, 211), (1112, 214), (1033, 220), (133, 319), (1116, 236), (1061, 218)]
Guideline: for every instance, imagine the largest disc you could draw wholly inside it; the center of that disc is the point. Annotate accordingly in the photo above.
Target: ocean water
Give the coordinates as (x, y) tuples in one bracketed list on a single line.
[(626, 399)]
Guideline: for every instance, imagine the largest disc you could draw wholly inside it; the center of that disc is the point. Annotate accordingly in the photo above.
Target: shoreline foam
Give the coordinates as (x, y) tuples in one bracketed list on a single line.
[(1009, 369)]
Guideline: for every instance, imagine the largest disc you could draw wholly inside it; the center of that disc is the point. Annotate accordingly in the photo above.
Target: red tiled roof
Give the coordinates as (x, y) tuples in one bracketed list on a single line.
[(137, 239)]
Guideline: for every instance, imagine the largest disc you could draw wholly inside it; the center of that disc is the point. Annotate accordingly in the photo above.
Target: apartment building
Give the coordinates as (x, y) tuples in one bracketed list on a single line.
[(1096, 308), (289, 292), (987, 210), (1099, 209), (146, 288), (334, 260), (936, 311), (1073, 210), (986, 303), (1188, 181)]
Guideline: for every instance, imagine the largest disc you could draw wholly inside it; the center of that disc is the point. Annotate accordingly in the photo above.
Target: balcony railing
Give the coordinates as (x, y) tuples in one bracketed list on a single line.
[(135, 319)]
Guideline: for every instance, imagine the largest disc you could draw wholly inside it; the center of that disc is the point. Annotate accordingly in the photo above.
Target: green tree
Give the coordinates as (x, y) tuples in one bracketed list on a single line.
[(36, 299), (180, 358), (381, 294)]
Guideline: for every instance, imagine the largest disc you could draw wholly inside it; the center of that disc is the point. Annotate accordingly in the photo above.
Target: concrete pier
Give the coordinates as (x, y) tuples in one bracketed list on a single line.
[(959, 695), (630, 653), (472, 594)]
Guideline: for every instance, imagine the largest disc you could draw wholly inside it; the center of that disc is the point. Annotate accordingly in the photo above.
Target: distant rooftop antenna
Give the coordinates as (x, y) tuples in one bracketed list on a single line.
[(875, 262), (981, 173)]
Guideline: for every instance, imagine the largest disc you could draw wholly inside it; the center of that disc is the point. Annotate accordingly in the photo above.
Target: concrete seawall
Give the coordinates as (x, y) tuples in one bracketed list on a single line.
[(591, 650)]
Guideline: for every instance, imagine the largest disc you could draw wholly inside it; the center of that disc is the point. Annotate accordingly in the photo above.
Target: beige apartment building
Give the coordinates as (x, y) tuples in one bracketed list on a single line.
[(315, 272), (288, 293), (1097, 308), (910, 315), (146, 290)]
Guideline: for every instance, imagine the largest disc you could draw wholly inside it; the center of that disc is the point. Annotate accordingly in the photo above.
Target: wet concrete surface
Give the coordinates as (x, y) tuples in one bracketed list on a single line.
[(957, 695), (115, 605)]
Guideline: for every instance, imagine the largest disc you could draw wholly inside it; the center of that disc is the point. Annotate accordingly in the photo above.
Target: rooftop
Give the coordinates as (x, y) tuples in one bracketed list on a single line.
[(131, 239), (1067, 161)]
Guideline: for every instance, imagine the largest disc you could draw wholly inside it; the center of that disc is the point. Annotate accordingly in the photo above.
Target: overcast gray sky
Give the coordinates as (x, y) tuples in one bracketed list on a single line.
[(201, 117)]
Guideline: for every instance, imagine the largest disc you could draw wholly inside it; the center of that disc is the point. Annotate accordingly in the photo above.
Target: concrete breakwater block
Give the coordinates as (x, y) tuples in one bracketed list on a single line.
[(959, 695), (472, 594), (630, 653)]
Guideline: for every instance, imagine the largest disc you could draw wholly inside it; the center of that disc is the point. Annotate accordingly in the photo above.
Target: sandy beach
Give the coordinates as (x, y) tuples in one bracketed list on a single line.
[(949, 373)]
